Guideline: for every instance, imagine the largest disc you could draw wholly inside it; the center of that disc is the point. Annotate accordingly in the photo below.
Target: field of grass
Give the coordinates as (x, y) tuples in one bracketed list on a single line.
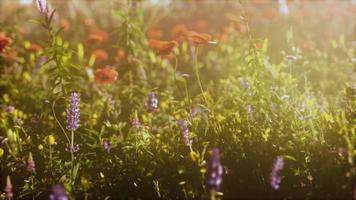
[(178, 99)]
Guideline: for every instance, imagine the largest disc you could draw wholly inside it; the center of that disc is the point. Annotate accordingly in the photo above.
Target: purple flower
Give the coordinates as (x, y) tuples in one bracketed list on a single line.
[(216, 171), (107, 145), (31, 166), (184, 131), (58, 193), (10, 109), (73, 112), (276, 178), (152, 101), (42, 6), (8, 189)]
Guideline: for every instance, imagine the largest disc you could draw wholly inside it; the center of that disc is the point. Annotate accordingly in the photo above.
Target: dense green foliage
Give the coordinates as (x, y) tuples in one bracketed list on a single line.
[(300, 106)]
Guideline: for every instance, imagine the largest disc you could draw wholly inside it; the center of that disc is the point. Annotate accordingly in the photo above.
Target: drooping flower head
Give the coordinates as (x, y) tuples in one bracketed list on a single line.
[(42, 6), (31, 166), (73, 112), (58, 193), (276, 179), (184, 131), (215, 172), (8, 189)]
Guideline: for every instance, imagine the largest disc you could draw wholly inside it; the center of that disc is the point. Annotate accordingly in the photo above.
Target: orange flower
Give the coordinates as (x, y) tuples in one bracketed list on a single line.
[(34, 48), (162, 47), (100, 55), (178, 32), (105, 75), (154, 33), (4, 41), (98, 36), (198, 38)]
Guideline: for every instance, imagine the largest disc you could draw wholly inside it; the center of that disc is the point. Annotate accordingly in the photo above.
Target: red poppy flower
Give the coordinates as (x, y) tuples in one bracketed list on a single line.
[(100, 55), (162, 47), (198, 38), (98, 36), (105, 75), (4, 41)]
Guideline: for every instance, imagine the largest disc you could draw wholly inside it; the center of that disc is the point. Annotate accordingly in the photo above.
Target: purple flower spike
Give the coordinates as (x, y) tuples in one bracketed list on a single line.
[(8, 189), (276, 178), (216, 171), (73, 112), (31, 166), (58, 193), (152, 101), (42, 6), (184, 131)]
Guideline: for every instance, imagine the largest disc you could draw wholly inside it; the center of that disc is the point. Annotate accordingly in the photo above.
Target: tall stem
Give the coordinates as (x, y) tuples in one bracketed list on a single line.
[(72, 155), (198, 77)]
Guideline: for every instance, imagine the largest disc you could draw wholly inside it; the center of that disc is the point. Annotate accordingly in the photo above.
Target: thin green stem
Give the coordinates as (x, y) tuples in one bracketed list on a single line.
[(198, 77), (72, 155)]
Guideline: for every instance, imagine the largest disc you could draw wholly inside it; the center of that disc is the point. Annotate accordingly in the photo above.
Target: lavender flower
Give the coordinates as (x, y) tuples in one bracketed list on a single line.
[(10, 109), (58, 193), (184, 131), (73, 112), (216, 171), (8, 189), (107, 145), (42, 6), (276, 178), (152, 102), (31, 166)]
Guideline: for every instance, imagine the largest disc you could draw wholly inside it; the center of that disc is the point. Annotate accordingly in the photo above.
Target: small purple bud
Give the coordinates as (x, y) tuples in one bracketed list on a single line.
[(8, 189), (276, 178), (31, 166), (107, 145), (216, 171), (10, 109), (58, 193), (73, 112)]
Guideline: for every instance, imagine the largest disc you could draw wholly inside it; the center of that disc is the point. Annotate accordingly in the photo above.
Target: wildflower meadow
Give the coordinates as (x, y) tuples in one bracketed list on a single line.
[(178, 99)]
